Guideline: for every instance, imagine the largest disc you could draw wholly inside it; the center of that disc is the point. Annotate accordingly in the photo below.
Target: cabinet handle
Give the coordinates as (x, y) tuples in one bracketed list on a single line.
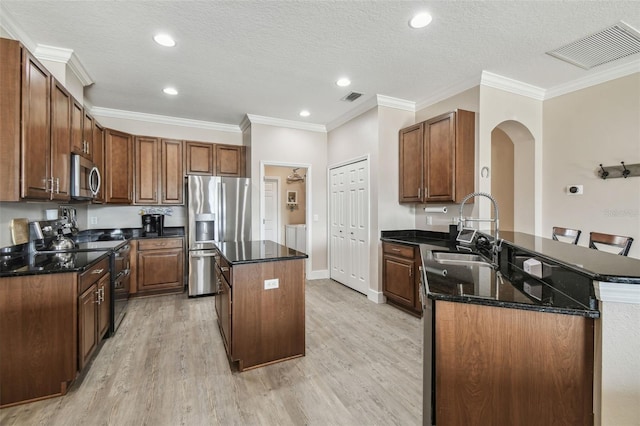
[(57, 185), (419, 192), (224, 269), (97, 271), (395, 249), (411, 271)]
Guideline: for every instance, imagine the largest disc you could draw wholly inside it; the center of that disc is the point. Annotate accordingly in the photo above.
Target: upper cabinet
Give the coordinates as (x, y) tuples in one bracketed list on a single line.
[(61, 102), (230, 160), (98, 158), (437, 159), (199, 158), (118, 175), (159, 171), (87, 135)]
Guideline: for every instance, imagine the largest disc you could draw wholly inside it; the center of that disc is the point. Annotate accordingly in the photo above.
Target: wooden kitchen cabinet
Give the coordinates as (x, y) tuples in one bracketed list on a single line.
[(61, 102), (230, 160), (118, 176), (159, 266), (38, 325), (437, 159), (159, 171), (401, 277), (98, 159), (146, 170), (94, 287), (199, 158), (87, 134), (77, 134)]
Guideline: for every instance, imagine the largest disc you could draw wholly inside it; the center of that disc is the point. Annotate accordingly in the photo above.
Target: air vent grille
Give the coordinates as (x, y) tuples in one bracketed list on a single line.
[(352, 96), (605, 46)]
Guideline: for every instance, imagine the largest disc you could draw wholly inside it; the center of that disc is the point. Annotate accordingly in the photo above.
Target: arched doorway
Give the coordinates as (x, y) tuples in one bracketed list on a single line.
[(512, 177)]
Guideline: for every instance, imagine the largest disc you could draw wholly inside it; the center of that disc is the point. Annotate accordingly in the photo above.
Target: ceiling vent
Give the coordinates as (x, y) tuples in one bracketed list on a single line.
[(610, 44), (352, 96)]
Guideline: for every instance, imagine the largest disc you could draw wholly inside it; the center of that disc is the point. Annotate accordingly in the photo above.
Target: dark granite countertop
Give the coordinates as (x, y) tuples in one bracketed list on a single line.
[(241, 252), (125, 234), (596, 264), (21, 264), (481, 284)]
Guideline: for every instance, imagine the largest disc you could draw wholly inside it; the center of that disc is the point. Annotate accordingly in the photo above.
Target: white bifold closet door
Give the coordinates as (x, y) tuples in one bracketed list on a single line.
[(349, 218)]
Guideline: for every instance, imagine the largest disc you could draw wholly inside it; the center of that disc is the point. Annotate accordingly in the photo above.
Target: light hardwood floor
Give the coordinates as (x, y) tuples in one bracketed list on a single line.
[(166, 366)]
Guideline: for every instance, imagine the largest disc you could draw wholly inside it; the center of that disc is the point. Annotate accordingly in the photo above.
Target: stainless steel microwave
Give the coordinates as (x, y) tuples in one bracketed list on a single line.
[(85, 178)]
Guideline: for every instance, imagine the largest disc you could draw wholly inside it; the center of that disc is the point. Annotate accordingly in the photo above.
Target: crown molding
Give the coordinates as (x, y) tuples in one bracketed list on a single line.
[(278, 122), (65, 56), (594, 79), (513, 86), (447, 92), (163, 119), (245, 123), (397, 103), (617, 292)]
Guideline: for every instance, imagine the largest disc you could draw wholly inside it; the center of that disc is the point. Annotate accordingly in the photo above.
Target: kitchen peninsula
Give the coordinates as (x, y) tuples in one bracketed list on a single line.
[(516, 346), (261, 306)]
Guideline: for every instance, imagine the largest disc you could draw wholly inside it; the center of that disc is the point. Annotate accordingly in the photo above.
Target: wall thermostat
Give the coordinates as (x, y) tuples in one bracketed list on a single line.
[(575, 190)]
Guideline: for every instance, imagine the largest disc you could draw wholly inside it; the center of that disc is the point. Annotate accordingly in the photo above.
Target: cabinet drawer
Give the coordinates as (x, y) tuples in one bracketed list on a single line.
[(225, 268), (93, 274), (159, 243), (398, 250)]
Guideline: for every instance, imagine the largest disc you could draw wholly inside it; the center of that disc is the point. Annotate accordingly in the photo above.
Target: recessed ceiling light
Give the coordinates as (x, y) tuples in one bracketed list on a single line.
[(304, 113), (164, 40), (170, 91), (420, 20), (343, 82)]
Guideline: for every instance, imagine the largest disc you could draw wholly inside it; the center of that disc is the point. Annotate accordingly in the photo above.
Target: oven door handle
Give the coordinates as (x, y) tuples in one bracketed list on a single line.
[(203, 255)]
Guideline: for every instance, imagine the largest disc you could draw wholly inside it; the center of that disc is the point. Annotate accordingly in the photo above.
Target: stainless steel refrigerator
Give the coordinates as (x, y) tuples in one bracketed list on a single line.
[(219, 209)]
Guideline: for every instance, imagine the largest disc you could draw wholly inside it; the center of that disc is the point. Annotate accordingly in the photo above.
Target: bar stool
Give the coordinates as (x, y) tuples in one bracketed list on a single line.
[(623, 243), (574, 234)]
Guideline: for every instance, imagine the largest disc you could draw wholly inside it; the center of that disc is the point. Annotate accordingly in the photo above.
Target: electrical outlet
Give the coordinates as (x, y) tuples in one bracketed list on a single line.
[(429, 220), (271, 284), (93, 220)]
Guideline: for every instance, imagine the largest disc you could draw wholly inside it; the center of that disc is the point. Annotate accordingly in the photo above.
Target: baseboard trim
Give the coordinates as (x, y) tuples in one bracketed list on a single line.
[(376, 296), (318, 275)]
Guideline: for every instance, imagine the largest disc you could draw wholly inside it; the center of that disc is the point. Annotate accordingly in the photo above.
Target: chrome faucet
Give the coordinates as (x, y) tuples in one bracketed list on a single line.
[(496, 244)]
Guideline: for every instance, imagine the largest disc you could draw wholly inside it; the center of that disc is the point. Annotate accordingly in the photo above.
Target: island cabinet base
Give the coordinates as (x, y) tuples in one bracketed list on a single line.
[(267, 317), (499, 366)]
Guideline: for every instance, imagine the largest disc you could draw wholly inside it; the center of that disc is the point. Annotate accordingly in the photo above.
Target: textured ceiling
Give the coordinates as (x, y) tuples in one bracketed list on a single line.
[(274, 58)]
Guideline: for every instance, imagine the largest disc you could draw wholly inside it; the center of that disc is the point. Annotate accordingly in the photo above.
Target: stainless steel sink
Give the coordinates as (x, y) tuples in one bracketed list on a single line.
[(459, 258)]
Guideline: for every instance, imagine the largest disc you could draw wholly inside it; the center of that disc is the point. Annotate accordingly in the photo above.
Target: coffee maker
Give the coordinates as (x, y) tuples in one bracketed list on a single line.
[(152, 225)]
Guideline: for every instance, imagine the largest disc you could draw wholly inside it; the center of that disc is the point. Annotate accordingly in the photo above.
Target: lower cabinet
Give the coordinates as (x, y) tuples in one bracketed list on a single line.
[(160, 266), (93, 310), (401, 277)]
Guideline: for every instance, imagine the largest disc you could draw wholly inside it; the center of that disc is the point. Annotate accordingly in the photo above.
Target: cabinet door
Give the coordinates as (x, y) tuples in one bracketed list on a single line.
[(224, 316), (61, 102), (118, 179), (36, 129), (87, 325), (172, 177), (439, 157), (104, 307), (77, 135), (160, 270), (399, 280), (87, 135), (411, 172), (230, 160), (98, 158), (10, 119), (146, 166), (199, 158)]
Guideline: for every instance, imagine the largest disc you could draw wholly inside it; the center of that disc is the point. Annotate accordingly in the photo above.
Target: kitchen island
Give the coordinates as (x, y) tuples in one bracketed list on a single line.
[(510, 347), (260, 305)]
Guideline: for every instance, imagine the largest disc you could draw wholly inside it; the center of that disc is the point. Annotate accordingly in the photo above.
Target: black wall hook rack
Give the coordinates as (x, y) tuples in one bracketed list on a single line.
[(624, 171)]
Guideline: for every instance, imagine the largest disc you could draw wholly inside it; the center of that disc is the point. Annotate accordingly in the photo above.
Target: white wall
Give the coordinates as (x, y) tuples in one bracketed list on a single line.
[(277, 145), (599, 124), (374, 135), (496, 107)]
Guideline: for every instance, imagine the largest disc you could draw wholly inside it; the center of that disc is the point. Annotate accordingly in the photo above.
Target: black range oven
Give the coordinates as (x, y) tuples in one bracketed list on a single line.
[(120, 279)]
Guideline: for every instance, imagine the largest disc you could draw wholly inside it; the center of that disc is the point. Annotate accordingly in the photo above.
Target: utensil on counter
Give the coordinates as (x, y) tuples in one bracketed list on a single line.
[(62, 243), (20, 230)]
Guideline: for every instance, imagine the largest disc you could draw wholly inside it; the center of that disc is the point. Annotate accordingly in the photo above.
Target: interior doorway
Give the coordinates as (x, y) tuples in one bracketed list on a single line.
[(285, 205), (513, 161)]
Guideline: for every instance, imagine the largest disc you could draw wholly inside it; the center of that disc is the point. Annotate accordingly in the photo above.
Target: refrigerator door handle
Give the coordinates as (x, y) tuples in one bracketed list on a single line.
[(223, 208)]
